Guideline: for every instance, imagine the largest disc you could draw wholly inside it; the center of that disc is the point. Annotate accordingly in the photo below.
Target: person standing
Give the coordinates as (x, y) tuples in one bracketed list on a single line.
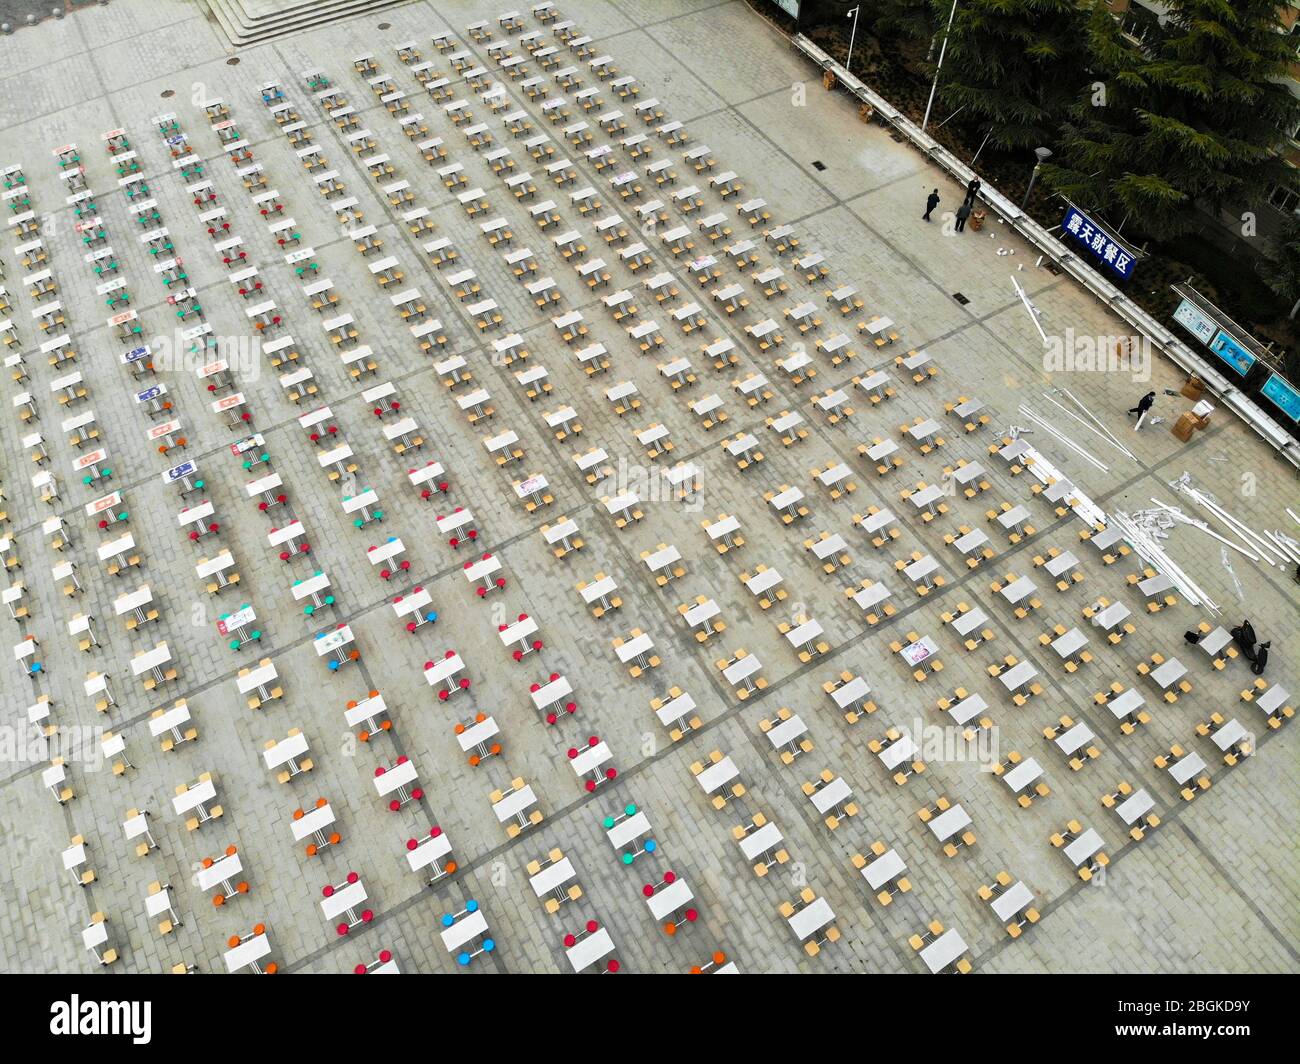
[(963, 212), (1244, 637), (972, 190), (1261, 659), (931, 203)]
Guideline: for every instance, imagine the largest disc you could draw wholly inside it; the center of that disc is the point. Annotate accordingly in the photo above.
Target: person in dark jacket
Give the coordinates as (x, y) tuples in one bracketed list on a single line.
[(1244, 637), (1261, 659), (1144, 404), (932, 201), (972, 190), (963, 212)]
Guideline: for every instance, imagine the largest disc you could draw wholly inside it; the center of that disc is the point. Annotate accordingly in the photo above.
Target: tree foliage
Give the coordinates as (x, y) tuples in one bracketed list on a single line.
[(1280, 267), (1012, 66), (903, 20), (1198, 113)]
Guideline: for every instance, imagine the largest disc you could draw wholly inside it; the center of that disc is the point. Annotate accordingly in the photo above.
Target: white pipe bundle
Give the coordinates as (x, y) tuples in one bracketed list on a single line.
[(1044, 424), (1287, 544), (1178, 515), (1266, 548), (1149, 550), (1104, 431)]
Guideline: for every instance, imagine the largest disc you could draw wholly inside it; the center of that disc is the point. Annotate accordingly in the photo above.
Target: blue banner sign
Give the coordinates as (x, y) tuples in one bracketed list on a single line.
[(1103, 247)]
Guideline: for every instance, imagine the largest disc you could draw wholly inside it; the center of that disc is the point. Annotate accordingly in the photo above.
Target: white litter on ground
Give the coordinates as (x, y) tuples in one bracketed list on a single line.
[(1227, 564)]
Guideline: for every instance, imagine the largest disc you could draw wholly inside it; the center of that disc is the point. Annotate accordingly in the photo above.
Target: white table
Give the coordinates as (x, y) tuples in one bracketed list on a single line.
[(810, 919), (949, 823), (1081, 850), (943, 951), (1022, 775), (589, 949), (884, 869)]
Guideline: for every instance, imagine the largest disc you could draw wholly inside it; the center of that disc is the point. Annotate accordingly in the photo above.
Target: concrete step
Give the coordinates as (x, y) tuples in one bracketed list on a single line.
[(247, 22)]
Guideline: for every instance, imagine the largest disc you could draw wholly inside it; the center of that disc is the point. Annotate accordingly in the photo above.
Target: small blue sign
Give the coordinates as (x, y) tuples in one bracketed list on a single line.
[(1283, 395), (1232, 352), (1103, 247)]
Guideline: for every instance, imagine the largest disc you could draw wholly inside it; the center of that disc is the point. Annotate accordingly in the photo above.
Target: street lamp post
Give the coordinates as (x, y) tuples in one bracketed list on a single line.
[(935, 84), (1043, 155), (848, 65)]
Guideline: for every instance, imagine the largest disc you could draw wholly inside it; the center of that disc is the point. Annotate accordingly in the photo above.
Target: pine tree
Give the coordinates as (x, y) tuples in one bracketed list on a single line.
[(1280, 267), (902, 20), (1197, 114), (1013, 66)]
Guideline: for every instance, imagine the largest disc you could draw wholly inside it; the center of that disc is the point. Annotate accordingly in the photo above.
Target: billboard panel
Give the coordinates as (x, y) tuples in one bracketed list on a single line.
[(1283, 395), (1195, 322), (1236, 356)]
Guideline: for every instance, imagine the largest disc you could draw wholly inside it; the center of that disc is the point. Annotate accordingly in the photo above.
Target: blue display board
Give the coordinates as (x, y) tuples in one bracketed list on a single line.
[(1232, 353), (1100, 244), (1283, 395)]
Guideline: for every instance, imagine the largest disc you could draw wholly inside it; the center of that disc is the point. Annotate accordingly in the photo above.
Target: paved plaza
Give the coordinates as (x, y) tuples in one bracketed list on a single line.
[(1212, 886)]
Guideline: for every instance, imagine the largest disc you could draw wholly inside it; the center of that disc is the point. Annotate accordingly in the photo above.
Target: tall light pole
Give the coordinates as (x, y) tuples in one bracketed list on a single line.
[(930, 103), (848, 65), (1043, 155)]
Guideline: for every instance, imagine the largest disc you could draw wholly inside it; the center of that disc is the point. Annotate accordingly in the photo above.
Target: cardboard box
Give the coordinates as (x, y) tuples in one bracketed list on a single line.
[(1194, 388), (1184, 427)]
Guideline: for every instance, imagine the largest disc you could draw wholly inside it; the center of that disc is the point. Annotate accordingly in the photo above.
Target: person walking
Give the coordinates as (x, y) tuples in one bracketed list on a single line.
[(963, 212), (1144, 404), (972, 190), (932, 201)]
